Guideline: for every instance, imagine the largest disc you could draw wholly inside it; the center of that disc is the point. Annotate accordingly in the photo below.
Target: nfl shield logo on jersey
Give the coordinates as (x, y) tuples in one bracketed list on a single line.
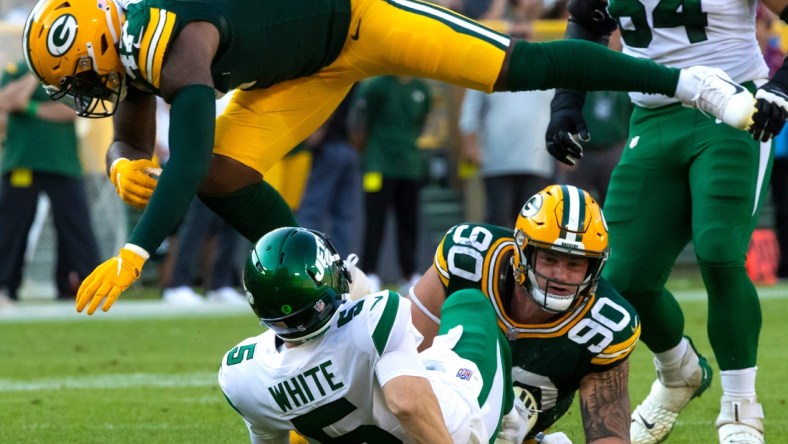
[(464, 374)]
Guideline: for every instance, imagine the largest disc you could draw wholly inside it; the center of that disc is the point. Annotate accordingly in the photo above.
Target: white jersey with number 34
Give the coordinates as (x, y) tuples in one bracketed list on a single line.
[(683, 33)]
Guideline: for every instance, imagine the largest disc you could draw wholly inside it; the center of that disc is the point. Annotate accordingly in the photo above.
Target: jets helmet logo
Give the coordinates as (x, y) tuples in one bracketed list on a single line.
[(62, 35)]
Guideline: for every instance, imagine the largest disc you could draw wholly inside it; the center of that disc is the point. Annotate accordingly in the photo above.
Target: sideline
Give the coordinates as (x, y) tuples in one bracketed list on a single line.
[(122, 310)]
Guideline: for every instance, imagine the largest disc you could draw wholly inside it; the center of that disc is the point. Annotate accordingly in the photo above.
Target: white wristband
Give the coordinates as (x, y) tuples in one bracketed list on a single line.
[(139, 251), (115, 162)]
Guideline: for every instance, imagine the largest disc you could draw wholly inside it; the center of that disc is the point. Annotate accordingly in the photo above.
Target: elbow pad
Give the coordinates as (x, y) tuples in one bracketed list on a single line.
[(591, 17)]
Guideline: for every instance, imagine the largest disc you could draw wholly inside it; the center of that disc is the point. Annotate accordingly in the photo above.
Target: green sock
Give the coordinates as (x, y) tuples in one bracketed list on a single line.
[(253, 210), (586, 66)]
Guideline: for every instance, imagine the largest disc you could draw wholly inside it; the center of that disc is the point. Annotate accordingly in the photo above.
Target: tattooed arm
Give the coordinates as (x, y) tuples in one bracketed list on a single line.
[(604, 405)]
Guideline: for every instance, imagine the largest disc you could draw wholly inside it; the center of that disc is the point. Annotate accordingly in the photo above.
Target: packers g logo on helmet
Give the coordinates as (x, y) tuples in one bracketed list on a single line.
[(532, 207), (61, 35)]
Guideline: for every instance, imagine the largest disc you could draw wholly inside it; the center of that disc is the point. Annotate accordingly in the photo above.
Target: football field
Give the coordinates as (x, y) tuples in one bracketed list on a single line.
[(146, 373)]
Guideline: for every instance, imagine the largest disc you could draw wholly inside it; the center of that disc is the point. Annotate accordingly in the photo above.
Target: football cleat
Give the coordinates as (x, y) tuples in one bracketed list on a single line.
[(740, 422), (712, 91), (653, 419)]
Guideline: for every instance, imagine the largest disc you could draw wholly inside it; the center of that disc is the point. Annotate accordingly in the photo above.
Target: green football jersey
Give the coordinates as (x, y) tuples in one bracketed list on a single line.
[(548, 359), (34, 143), (261, 42)]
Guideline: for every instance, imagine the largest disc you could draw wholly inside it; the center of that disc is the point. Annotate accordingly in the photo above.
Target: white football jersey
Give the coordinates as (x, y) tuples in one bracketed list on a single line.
[(330, 388), (716, 33)]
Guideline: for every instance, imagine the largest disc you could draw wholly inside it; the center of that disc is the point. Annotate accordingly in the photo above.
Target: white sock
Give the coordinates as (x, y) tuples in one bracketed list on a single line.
[(739, 384), (673, 356)]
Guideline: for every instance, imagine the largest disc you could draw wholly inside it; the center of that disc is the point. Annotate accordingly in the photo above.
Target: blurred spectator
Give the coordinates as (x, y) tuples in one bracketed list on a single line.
[(506, 140), (41, 156), (769, 41), (555, 10), (780, 199), (476, 9), (332, 200), (387, 115)]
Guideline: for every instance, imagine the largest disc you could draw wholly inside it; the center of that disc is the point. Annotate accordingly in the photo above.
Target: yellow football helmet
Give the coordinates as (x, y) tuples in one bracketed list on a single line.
[(72, 47), (563, 219)]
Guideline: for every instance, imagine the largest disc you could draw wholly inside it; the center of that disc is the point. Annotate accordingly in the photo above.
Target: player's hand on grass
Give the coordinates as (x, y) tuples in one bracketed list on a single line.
[(134, 180), (111, 278)]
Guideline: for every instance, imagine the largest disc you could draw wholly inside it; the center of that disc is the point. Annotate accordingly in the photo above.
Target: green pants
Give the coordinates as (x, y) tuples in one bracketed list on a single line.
[(683, 177)]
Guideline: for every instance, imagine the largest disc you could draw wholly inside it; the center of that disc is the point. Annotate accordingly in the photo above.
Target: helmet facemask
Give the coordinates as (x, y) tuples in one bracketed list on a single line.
[(558, 300), (88, 93)]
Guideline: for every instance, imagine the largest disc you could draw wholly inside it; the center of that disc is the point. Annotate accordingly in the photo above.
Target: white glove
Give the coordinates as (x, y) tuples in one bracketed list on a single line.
[(518, 422), (552, 438), (514, 426)]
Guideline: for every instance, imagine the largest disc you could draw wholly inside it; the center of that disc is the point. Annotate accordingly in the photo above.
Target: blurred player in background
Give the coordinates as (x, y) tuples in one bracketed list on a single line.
[(41, 155)]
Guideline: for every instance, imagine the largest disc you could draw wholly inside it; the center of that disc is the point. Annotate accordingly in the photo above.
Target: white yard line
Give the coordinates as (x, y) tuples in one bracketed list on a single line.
[(110, 381), (65, 311)]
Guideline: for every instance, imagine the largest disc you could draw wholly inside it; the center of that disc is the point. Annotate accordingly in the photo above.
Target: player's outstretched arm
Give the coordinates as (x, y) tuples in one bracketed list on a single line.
[(604, 405), (413, 402)]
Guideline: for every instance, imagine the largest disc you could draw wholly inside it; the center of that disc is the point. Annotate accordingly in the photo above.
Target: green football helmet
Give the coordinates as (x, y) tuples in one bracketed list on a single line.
[(295, 281)]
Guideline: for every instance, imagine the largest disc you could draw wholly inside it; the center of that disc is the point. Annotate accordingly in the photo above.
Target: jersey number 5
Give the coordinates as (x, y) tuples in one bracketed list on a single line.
[(313, 423), (633, 23)]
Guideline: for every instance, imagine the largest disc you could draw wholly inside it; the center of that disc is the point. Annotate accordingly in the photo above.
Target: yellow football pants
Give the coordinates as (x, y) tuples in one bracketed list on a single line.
[(394, 37)]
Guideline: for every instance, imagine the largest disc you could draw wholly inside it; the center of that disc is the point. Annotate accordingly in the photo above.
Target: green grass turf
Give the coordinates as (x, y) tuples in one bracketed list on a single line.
[(153, 380)]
